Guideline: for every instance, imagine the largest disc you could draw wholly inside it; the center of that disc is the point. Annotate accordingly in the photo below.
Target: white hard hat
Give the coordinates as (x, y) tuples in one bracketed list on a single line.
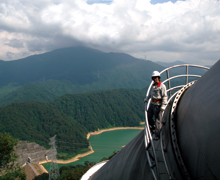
[(155, 74)]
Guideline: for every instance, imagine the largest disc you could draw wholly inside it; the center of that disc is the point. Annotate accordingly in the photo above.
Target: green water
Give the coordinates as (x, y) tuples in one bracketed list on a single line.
[(104, 144)]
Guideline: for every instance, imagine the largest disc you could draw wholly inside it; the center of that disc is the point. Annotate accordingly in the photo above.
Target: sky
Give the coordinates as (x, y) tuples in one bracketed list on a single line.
[(156, 30)]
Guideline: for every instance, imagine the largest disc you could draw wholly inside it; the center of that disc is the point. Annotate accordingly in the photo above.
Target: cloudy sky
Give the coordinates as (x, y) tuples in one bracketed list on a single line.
[(158, 30)]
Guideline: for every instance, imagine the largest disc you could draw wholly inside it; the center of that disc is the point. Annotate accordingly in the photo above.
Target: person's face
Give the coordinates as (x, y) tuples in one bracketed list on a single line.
[(156, 79)]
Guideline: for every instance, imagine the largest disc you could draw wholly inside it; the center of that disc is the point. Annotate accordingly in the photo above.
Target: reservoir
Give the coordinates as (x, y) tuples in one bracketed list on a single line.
[(104, 144)]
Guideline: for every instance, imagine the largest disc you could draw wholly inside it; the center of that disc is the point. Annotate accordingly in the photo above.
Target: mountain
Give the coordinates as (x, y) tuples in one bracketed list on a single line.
[(72, 116), (28, 92), (168, 64), (71, 70), (78, 65)]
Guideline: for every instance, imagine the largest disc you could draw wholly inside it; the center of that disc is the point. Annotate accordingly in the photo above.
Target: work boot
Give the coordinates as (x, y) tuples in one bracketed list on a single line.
[(152, 129), (156, 137)]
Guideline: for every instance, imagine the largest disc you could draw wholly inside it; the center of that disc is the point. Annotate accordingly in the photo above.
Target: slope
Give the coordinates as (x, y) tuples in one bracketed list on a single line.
[(28, 92), (71, 117), (71, 70), (79, 65)]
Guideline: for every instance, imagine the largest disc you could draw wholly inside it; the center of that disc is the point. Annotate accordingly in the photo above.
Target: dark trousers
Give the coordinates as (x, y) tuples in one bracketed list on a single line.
[(154, 117)]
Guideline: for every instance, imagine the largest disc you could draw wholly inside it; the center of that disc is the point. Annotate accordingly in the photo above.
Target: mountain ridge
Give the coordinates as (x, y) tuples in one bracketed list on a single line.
[(66, 63), (72, 70)]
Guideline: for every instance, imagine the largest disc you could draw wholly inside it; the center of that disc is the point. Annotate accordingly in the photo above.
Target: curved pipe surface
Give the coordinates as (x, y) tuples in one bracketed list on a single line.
[(198, 126), (130, 163)]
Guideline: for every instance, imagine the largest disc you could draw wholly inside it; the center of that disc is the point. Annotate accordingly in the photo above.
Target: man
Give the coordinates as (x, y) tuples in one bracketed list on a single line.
[(158, 104)]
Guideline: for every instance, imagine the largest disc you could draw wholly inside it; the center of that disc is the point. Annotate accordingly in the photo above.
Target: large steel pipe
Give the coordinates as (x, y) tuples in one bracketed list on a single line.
[(191, 138), (198, 126)]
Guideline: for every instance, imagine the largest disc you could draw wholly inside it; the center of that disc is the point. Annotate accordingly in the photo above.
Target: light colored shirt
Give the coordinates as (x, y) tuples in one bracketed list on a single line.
[(158, 92)]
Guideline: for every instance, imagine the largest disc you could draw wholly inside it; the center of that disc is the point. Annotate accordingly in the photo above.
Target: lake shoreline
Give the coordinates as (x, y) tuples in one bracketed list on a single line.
[(77, 157), (110, 129)]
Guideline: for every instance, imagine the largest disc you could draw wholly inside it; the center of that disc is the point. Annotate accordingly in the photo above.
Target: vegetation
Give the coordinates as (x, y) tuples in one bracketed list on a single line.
[(8, 169), (48, 76), (28, 92), (7, 155), (78, 65), (111, 156), (69, 172), (34, 121), (74, 172), (7, 89), (44, 176), (75, 70), (71, 117), (18, 175)]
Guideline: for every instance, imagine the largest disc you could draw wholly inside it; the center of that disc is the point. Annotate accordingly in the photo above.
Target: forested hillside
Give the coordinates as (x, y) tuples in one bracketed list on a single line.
[(70, 70), (79, 65), (71, 117), (29, 92)]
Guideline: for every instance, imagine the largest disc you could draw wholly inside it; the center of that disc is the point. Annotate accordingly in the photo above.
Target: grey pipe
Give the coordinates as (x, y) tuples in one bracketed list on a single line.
[(197, 122), (198, 126)]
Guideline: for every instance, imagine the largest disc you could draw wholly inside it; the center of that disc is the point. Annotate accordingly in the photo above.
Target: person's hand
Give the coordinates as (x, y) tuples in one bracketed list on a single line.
[(162, 108), (145, 100)]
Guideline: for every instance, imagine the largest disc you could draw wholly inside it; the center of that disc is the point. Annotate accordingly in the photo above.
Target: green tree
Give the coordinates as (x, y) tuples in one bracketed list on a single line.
[(44, 176), (7, 154), (111, 156), (18, 175)]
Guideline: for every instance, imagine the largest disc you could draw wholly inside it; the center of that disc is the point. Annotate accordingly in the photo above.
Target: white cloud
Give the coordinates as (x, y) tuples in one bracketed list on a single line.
[(185, 30), (99, 1)]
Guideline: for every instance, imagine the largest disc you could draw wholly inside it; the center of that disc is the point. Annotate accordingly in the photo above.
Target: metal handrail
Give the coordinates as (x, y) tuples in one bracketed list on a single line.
[(163, 154), (182, 65), (147, 134), (176, 87), (182, 75), (173, 130), (148, 138)]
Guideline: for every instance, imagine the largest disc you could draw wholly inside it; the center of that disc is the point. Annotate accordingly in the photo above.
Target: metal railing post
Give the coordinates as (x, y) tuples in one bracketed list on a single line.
[(187, 72), (168, 77)]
